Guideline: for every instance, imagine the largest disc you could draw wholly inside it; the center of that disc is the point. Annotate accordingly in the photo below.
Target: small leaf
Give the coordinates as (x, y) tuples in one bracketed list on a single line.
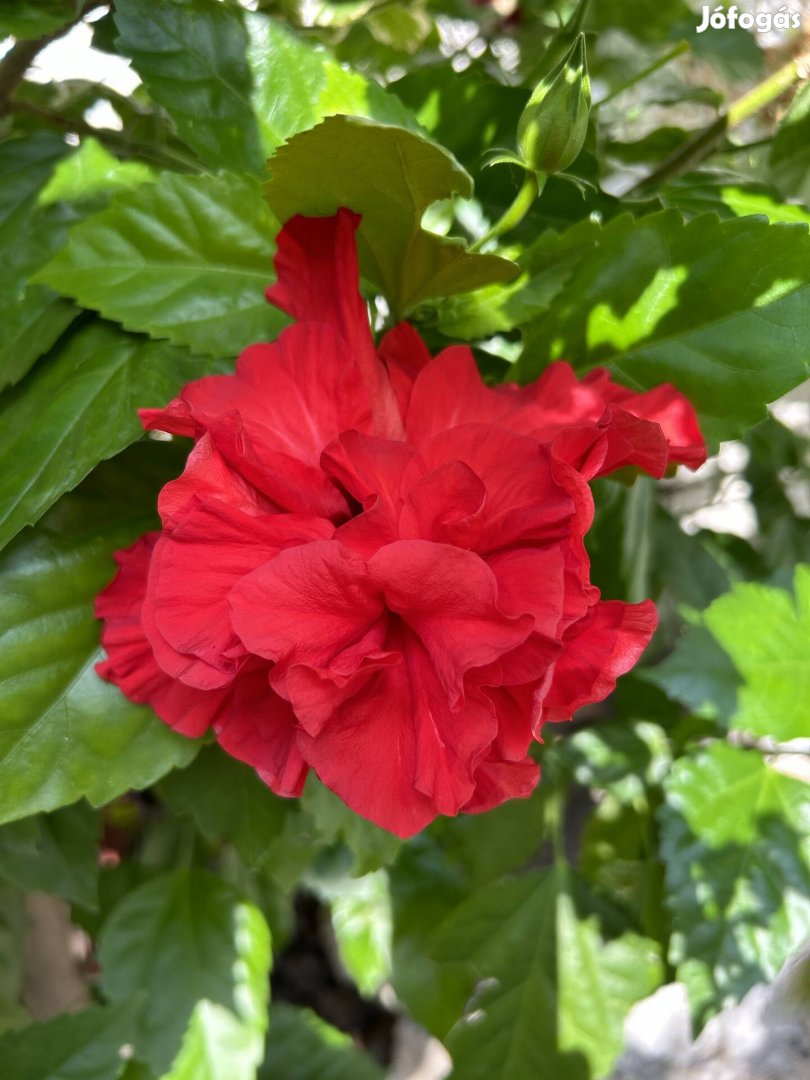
[(186, 258), (64, 733), (390, 177), (767, 635), (92, 170), (78, 407), (184, 937), (736, 843), (54, 853), (88, 1045)]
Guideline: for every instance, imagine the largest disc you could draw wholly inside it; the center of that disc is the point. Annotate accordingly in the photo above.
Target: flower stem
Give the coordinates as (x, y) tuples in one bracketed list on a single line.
[(705, 142), (662, 61), (530, 189)]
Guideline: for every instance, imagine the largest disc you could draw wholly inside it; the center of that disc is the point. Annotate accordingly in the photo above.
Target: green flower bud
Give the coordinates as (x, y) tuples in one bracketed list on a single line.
[(552, 127)]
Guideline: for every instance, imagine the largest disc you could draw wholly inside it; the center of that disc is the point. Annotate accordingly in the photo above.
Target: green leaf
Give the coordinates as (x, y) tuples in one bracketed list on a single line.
[(371, 846), (221, 1044), (699, 674), (89, 1045), (697, 194), (25, 165), (622, 758), (767, 635), (184, 937), (227, 800), (736, 843), (78, 407), (301, 1046), (191, 56), (556, 993), (34, 320), (186, 258), (217, 1046), (390, 176), (64, 733), (27, 19), (361, 919), (295, 86), (718, 308), (55, 853), (34, 317), (92, 170)]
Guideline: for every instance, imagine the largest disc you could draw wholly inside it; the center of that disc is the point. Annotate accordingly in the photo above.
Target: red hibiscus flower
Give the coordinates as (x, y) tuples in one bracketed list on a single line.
[(373, 565)]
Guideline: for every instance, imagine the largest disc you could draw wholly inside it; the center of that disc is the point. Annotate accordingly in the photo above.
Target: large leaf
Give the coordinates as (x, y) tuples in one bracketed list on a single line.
[(736, 842), (187, 258), (78, 407), (90, 1045), (390, 176), (64, 733), (295, 85), (191, 56), (556, 993), (719, 308), (33, 316), (225, 1044), (227, 800), (55, 853), (300, 1046), (184, 937), (767, 635)]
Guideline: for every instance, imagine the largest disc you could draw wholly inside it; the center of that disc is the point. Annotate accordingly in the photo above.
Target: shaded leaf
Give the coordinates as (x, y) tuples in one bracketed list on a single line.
[(76, 1046), (184, 937), (541, 962), (78, 407), (371, 846), (64, 733), (186, 258), (54, 853), (390, 176), (227, 800)]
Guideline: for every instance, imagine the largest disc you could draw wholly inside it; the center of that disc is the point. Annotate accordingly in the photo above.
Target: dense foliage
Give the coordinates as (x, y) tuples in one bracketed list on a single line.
[(653, 223)]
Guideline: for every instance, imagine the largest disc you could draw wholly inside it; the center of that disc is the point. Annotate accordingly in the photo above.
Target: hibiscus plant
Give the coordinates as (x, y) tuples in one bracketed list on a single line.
[(404, 584)]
